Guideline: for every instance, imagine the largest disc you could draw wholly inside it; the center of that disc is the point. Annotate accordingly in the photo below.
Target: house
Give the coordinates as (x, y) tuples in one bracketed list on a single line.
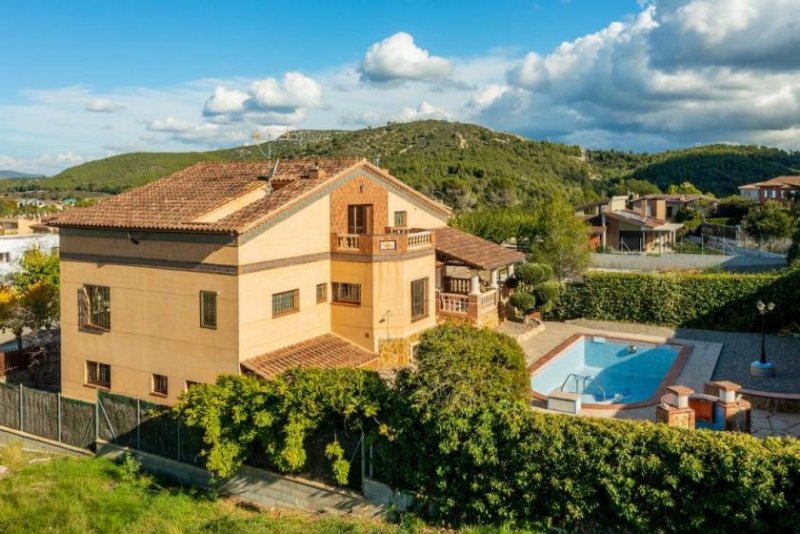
[(634, 226), (259, 267), (673, 202), (780, 189)]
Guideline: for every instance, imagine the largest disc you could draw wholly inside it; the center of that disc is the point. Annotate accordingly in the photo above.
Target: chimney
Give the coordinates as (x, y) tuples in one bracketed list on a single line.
[(315, 173)]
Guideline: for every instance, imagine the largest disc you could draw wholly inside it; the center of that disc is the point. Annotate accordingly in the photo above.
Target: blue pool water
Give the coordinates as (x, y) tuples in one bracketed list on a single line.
[(605, 371)]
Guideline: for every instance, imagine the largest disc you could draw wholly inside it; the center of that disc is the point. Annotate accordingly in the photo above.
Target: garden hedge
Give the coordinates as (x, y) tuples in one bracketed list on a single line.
[(716, 301)]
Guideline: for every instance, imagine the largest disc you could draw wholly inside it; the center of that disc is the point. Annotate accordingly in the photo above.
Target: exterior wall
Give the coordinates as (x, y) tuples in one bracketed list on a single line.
[(201, 248), (155, 328), (293, 237), (417, 217), (16, 246), (360, 190), (348, 320), (259, 331)]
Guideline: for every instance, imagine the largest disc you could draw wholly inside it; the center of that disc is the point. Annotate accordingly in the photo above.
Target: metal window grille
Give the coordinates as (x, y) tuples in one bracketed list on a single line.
[(347, 293)]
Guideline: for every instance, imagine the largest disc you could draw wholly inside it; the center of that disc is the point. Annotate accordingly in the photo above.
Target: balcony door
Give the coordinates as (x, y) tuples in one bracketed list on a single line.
[(359, 219)]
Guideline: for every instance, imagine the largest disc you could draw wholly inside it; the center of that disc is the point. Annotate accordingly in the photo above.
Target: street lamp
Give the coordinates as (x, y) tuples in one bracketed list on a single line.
[(762, 367)]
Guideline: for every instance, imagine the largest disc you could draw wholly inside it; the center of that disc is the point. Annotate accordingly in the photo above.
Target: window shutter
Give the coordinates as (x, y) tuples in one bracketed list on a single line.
[(83, 307)]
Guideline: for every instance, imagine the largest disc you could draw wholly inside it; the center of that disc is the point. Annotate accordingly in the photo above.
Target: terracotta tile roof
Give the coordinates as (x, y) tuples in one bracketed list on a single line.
[(792, 181), (175, 203), (635, 218), (327, 351), (473, 251)]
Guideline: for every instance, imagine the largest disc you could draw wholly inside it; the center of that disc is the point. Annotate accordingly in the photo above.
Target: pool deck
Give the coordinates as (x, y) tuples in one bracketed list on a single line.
[(699, 368)]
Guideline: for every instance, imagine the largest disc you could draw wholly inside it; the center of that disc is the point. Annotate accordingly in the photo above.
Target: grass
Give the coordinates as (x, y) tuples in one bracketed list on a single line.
[(95, 495)]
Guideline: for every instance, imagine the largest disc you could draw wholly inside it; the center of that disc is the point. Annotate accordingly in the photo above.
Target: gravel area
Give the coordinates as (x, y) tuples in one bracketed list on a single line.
[(738, 350)]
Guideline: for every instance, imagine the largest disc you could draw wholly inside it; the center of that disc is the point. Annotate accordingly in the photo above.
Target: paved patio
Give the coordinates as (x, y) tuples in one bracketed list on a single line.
[(714, 355)]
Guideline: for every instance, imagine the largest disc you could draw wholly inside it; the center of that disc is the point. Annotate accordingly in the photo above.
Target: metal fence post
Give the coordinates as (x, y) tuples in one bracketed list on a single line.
[(21, 412), (97, 418), (179, 440), (138, 423), (363, 461), (58, 399)]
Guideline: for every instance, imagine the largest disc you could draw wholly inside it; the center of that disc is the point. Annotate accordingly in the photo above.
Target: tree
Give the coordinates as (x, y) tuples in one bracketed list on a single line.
[(560, 239), (684, 188), (793, 254), (767, 222)]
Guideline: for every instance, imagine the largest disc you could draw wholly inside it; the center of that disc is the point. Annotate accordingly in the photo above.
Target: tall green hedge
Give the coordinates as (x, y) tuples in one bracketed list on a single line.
[(719, 301)]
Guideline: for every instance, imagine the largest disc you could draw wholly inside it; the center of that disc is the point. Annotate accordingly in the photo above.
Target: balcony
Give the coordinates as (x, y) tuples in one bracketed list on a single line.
[(392, 242), (477, 309)]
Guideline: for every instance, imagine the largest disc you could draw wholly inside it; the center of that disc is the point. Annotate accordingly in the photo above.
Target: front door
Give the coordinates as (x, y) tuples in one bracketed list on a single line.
[(359, 219)]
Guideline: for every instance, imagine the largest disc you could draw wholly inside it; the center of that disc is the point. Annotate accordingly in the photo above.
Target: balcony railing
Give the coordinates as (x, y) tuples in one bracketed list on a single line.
[(393, 241), (487, 301), (457, 285), (450, 304)]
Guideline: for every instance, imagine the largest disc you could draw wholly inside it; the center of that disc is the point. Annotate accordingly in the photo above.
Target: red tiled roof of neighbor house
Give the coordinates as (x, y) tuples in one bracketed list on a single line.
[(327, 351), (635, 218), (778, 181), (176, 202), (473, 251), (672, 197)]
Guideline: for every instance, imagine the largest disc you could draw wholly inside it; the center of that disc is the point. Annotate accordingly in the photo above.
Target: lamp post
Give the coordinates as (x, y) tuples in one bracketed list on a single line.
[(762, 367)]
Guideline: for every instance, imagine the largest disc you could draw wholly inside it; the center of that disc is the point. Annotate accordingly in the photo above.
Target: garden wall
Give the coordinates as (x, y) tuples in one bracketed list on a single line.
[(710, 301)]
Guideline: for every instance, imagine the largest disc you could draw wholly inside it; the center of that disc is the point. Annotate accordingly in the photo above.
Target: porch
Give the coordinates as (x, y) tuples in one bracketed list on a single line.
[(470, 277)]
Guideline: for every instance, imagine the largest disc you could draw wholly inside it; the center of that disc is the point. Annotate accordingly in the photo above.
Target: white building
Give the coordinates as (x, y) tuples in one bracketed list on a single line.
[(13, 247)]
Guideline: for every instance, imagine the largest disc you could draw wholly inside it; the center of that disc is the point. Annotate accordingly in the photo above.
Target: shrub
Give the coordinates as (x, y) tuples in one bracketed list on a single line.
[(719, 301), (524, 302), (533, 274), (546, 295)]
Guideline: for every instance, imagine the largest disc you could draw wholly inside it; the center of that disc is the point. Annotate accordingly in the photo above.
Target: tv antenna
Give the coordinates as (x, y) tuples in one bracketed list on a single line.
[(257, 136)]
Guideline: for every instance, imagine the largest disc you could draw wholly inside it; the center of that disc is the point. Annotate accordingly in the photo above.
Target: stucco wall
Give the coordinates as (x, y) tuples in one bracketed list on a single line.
[(417, 217), (155, 328)]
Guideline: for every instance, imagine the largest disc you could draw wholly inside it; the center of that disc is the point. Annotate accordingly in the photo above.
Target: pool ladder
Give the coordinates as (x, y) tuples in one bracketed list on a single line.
[(580, 379)]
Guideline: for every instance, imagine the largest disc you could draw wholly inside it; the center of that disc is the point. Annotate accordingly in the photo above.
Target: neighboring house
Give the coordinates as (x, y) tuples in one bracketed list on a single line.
[(673, 202), (13, 248), (260, 267), (780, 189), (639, 225)]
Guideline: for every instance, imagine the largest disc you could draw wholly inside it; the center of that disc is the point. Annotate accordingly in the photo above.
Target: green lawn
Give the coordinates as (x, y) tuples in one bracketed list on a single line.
[(95, 495)]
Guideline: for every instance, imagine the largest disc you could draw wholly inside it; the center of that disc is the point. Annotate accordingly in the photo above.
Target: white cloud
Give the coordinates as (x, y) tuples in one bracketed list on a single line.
[(397, 58), (103, 105), (294, 92), (425, 110), (225, 101)]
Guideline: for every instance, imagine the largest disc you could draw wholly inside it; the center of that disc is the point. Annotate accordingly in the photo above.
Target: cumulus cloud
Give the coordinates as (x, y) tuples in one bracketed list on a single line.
[(667, 73), (397, 58), (103, 105), (267, 102), (425, 110)]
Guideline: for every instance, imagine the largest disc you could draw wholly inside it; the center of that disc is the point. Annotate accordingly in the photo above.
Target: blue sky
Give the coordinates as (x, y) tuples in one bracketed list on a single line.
[(87, 79)]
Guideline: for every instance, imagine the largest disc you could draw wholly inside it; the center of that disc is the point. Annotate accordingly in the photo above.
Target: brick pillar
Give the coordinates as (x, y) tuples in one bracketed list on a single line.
[(735, 411), (678, 414), (472, 309)]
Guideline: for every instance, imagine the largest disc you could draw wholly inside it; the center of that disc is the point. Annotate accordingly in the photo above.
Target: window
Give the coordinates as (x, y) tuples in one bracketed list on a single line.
[(322, 293), (190, 384), (401, 219), (359, 219), (54, 251), (286, 302), (5, 257), (208, 309), (95, 307), (414, 352), (669, 212), (160, 385), (419, 299), (346, 293), (98, 374)]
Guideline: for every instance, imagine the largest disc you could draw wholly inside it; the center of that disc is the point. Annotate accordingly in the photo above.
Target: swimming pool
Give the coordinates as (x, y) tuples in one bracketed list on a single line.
[(607, 371)]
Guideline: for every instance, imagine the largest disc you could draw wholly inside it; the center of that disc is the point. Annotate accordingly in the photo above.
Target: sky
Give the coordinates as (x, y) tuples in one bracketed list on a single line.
[(88, 79)]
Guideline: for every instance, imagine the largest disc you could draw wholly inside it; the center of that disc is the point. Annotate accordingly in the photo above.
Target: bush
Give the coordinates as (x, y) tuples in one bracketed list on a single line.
[(546, 295), (523, 302), (719, 301), (533, 273)]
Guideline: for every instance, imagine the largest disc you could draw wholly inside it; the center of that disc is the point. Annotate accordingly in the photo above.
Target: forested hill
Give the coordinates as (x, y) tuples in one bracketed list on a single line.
[(463, 165), (718, 169)]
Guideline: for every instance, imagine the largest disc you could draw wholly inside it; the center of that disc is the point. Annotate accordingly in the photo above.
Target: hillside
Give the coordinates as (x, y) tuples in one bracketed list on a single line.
[(718, 169), (463, 165)]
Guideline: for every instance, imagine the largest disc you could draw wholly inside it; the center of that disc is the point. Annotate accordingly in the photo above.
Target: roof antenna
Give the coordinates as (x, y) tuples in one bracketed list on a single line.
[(256, 137), (377, 161), (272, 175)]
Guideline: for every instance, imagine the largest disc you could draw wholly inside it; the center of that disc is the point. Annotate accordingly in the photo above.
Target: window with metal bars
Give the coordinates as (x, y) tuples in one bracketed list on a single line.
[(98, 374), (401, 219), (208, 309), (346, 293), (160, 385), (419, 299), (285, 303), (95, 306)]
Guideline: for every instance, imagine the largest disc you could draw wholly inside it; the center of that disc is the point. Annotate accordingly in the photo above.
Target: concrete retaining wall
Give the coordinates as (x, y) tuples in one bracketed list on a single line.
[(36, 443), (254, 485), (670, 262)]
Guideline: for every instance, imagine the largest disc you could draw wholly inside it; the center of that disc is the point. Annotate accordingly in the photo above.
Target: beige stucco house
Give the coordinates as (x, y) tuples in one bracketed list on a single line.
[(259, 267)]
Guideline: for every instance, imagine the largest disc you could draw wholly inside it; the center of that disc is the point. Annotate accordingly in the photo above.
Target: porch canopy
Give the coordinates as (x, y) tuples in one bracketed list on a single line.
[(454, 247)]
